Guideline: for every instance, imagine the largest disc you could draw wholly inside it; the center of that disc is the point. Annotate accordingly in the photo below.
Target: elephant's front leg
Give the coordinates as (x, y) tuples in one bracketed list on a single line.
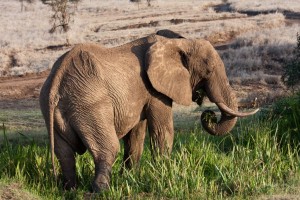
[(160, 124), (134, 144)]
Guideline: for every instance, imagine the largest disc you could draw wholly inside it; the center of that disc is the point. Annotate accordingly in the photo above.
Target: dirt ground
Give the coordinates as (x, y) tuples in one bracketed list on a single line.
[(21, 92), (22, 87)]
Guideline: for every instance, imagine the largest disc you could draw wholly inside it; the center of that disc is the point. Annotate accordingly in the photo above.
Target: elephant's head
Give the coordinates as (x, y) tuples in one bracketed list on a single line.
[(187, 70)]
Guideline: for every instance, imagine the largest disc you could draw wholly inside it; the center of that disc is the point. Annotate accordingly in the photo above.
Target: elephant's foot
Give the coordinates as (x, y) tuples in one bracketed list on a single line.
[(69, 181), (100, 184), (102, 178), (69, 184)]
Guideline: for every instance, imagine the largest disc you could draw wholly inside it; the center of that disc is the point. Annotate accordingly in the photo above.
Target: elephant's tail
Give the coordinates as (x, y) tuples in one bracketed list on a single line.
[(60, 67), (51, 134)]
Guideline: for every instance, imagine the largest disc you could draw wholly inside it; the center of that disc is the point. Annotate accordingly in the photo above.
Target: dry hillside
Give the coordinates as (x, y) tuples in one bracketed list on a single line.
[(254, 39)]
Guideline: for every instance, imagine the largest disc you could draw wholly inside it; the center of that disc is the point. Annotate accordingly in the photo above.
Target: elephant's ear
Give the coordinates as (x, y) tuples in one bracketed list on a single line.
[(166, 70)]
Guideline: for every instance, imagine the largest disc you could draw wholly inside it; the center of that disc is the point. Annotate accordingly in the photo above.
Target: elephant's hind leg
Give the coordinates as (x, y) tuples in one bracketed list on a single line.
[(66, 158), (66, 143), (68, 134), (104, 154), (98, 133), (134, 144)]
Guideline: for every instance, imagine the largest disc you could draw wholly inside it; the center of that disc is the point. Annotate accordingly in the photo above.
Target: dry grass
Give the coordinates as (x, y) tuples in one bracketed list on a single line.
[(257, 56), (111, 23)]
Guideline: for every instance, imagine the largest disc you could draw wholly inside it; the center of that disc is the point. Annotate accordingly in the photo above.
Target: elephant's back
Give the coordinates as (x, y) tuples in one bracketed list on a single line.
[(84, 75)]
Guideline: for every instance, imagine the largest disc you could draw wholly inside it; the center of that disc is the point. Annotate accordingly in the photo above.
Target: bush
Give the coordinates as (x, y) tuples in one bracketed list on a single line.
[(62, 12), (286, 114), (291, 75)]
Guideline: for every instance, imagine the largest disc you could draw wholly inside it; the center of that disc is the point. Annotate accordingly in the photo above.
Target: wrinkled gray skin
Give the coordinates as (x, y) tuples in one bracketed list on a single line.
[(95, 96)]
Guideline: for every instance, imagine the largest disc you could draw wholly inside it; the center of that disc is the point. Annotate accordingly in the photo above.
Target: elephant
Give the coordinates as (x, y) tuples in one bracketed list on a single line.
[(95, 96)]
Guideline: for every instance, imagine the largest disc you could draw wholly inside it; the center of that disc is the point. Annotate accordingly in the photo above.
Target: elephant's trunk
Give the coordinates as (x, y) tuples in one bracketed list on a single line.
[(219, 91), (210, 124)]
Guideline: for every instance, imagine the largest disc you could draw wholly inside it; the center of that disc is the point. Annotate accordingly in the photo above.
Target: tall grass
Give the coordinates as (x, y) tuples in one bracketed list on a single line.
[(249, 162)]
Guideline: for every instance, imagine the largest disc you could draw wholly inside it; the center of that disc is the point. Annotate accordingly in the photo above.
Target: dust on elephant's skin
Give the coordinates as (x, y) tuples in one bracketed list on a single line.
[(95, 96)]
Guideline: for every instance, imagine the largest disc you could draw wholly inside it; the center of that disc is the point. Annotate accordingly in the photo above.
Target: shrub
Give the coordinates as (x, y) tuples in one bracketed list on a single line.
[(291, 75), (286, 114), (62, 14)]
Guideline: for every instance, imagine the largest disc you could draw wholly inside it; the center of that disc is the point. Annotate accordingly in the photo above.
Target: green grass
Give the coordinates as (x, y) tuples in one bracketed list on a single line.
[(246, 163), (249, 163), (22, 125)]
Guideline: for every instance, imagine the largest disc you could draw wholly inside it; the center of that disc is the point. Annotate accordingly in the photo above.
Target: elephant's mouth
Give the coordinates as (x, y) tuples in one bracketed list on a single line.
[(198, 96)]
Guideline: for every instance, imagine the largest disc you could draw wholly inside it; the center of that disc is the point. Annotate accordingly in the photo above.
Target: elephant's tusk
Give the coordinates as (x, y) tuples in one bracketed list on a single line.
[(229, 111)]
